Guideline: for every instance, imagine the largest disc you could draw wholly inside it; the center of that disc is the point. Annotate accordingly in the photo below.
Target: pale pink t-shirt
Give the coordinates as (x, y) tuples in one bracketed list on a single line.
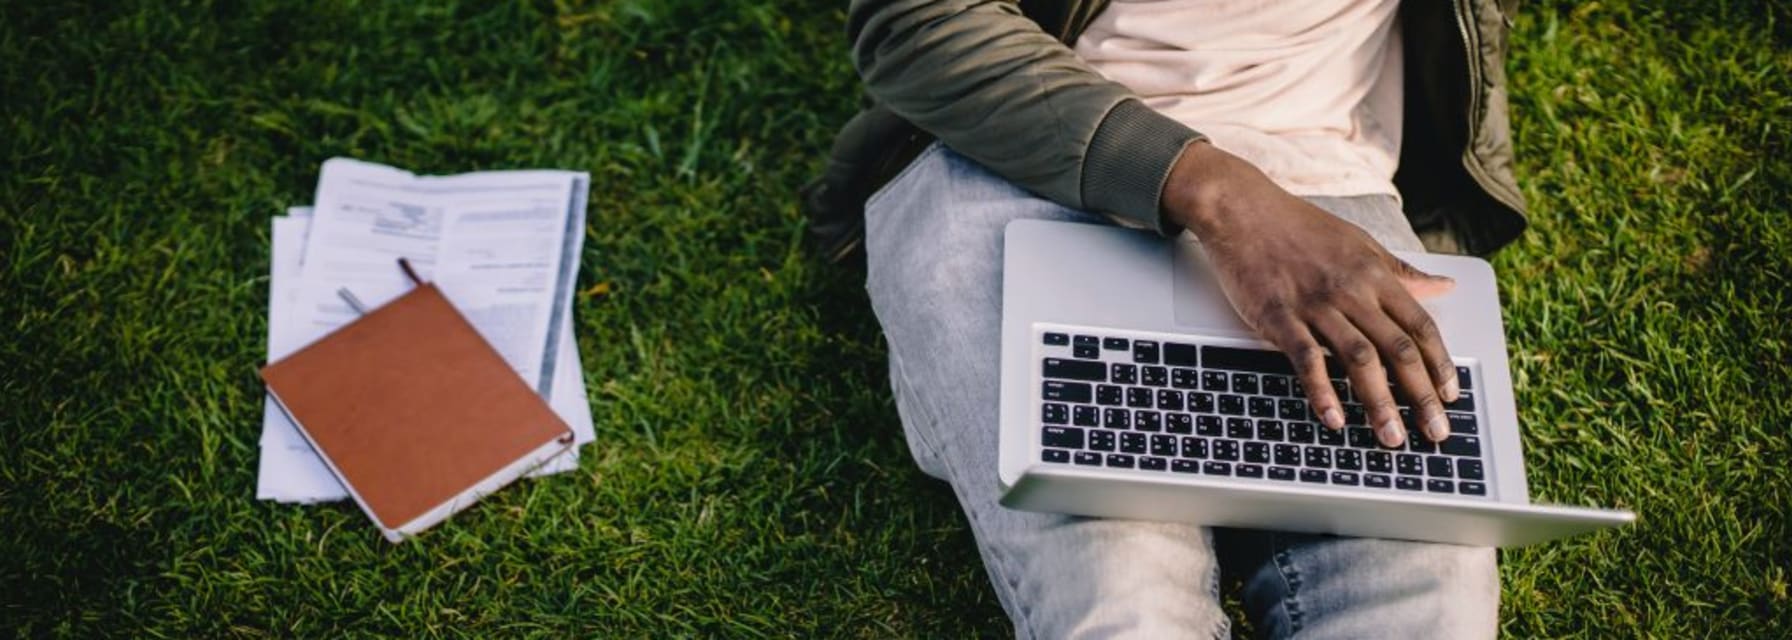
[(1310, 92)]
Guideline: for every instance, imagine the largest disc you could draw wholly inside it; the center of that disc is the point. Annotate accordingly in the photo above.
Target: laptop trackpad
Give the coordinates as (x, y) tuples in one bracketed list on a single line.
[(1199, 303)]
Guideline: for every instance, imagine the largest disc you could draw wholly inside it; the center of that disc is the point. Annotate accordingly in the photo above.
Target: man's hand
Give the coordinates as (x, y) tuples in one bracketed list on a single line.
[(1301, 277)]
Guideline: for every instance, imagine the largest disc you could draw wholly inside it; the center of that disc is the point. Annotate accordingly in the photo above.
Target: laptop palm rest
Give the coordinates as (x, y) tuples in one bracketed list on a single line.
[(1222, 504)]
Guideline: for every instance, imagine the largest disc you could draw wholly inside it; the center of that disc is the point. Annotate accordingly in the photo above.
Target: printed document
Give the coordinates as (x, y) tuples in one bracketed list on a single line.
[(503, 246)]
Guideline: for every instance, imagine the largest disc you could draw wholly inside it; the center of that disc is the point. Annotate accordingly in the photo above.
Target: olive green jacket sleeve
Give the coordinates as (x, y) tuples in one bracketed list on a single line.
[(991, 84)]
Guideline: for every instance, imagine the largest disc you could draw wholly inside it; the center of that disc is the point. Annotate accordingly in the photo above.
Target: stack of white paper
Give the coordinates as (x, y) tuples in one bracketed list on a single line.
[(503, 246)]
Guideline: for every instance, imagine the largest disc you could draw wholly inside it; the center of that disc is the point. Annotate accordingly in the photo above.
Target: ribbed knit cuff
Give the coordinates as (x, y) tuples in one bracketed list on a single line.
[(1128, 161)]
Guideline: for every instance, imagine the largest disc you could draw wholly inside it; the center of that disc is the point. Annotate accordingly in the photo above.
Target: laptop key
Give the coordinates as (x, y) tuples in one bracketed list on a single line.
[(1132, 442), (1378, 461), (1179, 423), (1463, 423), (1193, 447), (1276, 386), (1061, 369), (1116, 418), (1409, 464), (1469, 469), (1281, 473), (1288, 454), (1057, 339), (1331, 437), (1461, 446), (1084, 415), (1262, 407), (1361, 438), (1345, 478), (1120, 461), (1257, 452), (1102, 440), (1116, 344), (1231, 405), (1124, 373), (1463, 380), (1163, 446), (1318, 457), (1147, 420), (1169, 400), (1440, 467), (1153, 463), (1155, 376), (1435, 485), (1144, 352), (1185, 466), (1472, 488), (1200, 402), (1376, 481), (1348, 459), (1225, 450), (1291, 409), (1244, 383), (1240, 428), (1213, 381), (1138, 397), (1059, 456), (1067, 391), (1465, 401), (1316, 476), (1108, 395), (1054, 413), (1067, 437), (1252, 360), (1217, 468), (1418, 443), (1181, 355), (1207, 425), (1301, 432), (1088, 458), (1408, 484), (1086, 352), (1088, 341), (1269, 430), (1249, 471), (1185, 378)]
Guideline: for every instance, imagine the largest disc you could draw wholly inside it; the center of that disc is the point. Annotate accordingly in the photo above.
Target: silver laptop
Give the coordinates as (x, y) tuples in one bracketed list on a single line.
[(1130, 389)]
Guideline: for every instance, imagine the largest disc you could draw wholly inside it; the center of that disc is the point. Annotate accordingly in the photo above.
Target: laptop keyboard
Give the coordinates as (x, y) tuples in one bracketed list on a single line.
[(1109, 400)]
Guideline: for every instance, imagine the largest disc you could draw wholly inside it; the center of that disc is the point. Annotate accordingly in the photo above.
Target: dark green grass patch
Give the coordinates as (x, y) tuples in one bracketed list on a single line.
[(750, 478)]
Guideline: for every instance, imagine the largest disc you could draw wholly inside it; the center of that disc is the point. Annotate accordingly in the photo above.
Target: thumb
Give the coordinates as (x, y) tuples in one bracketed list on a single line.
[(1420, 284)]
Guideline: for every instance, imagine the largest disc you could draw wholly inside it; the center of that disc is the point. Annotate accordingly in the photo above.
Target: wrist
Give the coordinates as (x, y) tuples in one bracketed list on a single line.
[(1194, 195)]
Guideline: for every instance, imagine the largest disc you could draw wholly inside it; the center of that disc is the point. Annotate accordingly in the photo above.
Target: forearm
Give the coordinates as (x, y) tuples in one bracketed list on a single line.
[(988, 82)]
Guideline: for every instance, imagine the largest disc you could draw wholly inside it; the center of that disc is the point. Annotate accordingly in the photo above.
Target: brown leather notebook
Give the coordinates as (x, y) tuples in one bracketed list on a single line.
[(414, 412)]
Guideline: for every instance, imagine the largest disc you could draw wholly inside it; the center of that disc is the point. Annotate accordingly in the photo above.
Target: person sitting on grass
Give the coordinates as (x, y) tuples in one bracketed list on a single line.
[(1299, 141)]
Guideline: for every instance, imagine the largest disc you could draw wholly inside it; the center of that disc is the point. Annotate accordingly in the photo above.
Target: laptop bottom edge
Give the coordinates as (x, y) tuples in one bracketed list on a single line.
[(1492, 524)]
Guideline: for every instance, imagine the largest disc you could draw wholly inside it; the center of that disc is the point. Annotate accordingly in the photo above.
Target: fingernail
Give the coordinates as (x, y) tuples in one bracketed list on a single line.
[(1333, 418), (1451, 391), (1438, 427), (1391, 433)]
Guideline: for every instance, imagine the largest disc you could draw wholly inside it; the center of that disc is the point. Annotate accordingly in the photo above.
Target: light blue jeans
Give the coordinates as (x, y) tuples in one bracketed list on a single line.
[(934, 245)]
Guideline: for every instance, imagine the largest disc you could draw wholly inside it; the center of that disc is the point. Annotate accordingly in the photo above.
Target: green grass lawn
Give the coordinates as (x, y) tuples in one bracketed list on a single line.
[(750, 478)]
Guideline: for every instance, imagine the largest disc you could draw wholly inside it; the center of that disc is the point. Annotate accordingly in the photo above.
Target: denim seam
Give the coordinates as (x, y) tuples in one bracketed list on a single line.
[(933, 451), (1290, 581), (1006, 568)]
